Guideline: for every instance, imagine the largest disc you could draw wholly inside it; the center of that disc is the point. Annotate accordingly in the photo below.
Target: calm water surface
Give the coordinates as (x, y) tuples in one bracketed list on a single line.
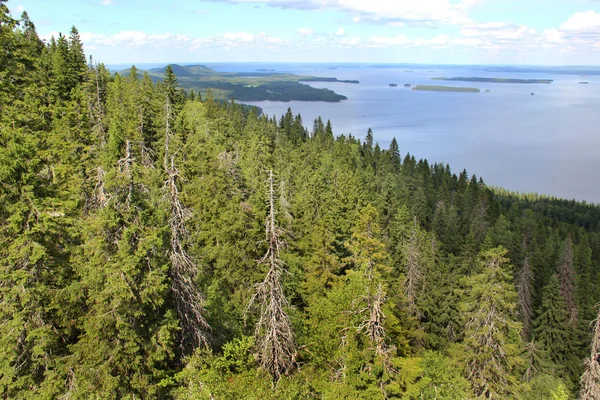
[(547, 143)]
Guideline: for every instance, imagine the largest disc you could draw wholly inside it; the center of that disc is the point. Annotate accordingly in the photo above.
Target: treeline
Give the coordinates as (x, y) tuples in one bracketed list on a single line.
[(273, 91), (155, 245)]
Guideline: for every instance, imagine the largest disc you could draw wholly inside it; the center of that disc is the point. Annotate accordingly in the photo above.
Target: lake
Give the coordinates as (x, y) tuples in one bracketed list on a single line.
[(547, 143)]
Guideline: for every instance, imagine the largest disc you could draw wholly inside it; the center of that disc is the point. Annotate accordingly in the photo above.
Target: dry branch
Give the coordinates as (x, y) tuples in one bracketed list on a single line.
[(275, 343)]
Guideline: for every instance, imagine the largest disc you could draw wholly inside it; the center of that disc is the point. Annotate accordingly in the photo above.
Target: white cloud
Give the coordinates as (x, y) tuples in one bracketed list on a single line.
[(553, 36), (139, 39), (244, 37), (356, 20), (439, 40), (351, 41), (399, 40), (20, 9), (201, 11), (503, 31), (581, 21), (578, 33), (385, 11), (107, 2), (340, 32), (467, 41), (305, 32)]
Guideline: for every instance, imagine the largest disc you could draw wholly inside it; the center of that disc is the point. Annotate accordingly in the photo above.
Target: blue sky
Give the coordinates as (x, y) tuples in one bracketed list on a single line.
[(538, 32)]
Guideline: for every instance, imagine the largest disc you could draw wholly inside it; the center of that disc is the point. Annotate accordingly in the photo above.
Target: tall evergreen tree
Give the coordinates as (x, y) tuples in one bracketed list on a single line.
[(550, 326), (566, 277), (492, 334), (524, 283), (184, 270)]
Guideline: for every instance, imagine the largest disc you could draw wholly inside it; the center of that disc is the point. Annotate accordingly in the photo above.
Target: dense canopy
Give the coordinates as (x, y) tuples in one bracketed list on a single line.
[(158, 245)]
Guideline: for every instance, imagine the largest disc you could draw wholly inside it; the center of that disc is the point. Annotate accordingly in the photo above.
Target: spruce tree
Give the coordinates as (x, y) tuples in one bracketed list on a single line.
[(524, 284), (550, 326), (566, 277), (38, 218), (128, 329), (491, 336), (184, 269)]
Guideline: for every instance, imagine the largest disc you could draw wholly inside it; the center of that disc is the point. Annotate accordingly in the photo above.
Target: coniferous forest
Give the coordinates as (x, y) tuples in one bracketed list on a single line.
[(156, 245)]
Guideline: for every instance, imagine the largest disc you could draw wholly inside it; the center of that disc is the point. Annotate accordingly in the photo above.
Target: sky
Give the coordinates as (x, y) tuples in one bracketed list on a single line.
[(532, 32)]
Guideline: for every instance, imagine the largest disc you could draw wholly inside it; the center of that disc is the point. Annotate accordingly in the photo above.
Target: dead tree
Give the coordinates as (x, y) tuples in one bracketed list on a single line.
[(275, 342), (372, 325), (590, 380), (188, 298)]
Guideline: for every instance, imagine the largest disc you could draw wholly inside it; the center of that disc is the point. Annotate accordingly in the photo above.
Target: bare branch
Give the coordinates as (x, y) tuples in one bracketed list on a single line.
[(275, 342), (188, 298), (590, 380)]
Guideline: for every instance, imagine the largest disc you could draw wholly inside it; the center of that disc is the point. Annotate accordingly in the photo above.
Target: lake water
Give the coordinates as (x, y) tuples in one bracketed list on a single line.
[(546, 143)]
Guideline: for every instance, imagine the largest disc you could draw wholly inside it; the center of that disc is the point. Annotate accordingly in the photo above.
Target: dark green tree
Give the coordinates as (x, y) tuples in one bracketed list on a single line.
[(492, 334)]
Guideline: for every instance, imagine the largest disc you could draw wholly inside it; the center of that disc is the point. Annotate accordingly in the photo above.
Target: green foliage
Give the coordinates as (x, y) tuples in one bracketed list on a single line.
[(394, 286), (492, 333), (445, 380), (546, 387), (552, 332)]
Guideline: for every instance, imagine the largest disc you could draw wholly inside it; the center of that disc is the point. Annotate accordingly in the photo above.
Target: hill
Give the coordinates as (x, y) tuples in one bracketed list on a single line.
[(243, 86)]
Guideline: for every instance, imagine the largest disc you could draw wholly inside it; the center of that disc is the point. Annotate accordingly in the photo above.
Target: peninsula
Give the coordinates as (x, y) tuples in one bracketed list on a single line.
[(248, 86)]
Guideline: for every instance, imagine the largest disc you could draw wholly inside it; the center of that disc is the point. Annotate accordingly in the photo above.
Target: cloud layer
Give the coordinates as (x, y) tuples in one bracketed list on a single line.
[(421, 25)]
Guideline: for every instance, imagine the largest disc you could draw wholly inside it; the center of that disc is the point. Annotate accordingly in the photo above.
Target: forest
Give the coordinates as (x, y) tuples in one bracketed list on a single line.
[(159, 245), (244, 86)]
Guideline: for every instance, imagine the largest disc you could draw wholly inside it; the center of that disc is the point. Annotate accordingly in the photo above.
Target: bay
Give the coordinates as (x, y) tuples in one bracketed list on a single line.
[(548, 143)]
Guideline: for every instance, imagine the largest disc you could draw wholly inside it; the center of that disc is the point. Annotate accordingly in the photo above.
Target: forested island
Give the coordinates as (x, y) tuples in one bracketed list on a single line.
[(155, 244), (247, 86), (321, 79), (495, 80), (435, 88)]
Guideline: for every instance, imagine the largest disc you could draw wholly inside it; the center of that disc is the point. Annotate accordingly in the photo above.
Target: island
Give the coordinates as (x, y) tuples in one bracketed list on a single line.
[(494, 80), (407, 84), (434, 88), (583, 83), (322, 79), (393, 85), (248, 86)]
